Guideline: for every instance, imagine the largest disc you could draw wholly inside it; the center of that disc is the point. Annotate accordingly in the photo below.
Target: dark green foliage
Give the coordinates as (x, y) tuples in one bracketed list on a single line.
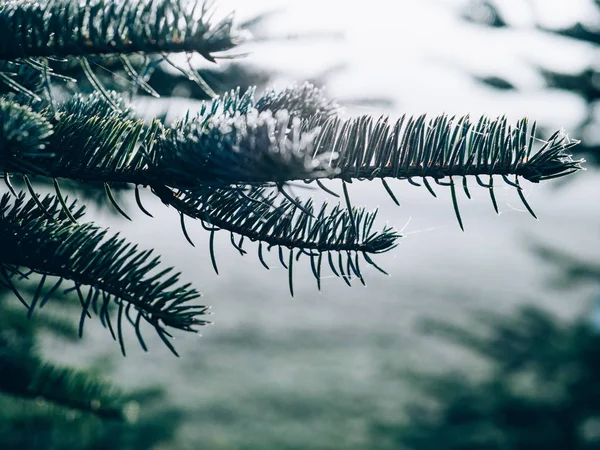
[(334, 234), (233, 142), (542, 391), (50, 258), (94, 141), (442, 147), (29, 377), (44, 406), (23, 134), (107, 274), (189, 165), (47, 427), (19, 77), (65, 28)]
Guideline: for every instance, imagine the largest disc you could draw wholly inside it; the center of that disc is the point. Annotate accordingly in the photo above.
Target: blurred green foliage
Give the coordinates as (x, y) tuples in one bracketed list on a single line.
[(542, 390), (585, 83), (43, 406)]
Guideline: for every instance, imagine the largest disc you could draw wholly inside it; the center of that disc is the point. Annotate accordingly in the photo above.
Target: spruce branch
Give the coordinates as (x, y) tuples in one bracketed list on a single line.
[(26, 376), (33, 32), (204, 165), (65, 28), (254, 148), (84, 139), (93, 142), (444, 147), (106, 273), (230, 130), (290, 227), (412, 147)]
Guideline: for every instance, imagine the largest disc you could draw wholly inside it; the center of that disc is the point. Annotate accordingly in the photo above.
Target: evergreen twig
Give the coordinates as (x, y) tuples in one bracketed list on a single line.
[(105, 273), (65, 28)]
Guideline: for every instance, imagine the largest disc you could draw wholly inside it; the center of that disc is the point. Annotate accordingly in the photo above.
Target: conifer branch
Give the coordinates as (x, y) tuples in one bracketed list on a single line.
[(204, 165), (229, 142), (288, 227), (274, 147), (84, 139), (444, 147), (26, 376), (66, 28), (32, 32), (105, 273), (221, 150)]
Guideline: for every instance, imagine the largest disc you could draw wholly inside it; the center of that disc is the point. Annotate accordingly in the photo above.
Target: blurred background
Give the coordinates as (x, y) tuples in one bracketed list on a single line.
[(488, 339)]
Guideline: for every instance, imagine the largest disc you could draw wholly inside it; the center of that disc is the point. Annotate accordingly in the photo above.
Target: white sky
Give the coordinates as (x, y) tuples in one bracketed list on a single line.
[(416, 52)]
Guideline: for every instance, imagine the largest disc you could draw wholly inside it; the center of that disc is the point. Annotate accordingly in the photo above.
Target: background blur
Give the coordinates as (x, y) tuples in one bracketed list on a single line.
[(396, 364)]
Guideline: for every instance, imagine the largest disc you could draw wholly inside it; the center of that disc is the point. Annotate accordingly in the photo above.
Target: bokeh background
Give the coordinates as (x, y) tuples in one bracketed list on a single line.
[(482, 339)]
